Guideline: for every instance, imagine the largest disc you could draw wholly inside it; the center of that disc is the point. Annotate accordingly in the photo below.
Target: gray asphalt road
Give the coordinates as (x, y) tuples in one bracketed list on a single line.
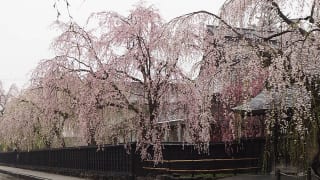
[(251, 177), (8, 177), (263, 177)]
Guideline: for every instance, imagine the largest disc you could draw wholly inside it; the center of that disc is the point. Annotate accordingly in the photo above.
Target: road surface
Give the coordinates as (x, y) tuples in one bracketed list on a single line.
[(30, 174), (7, 177), (263, 177)]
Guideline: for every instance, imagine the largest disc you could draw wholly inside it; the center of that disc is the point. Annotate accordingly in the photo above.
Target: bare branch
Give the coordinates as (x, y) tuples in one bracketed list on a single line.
[(286, 19)]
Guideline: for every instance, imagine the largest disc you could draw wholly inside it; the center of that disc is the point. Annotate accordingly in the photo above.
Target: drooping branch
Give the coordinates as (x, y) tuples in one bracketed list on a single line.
[(210, 14)]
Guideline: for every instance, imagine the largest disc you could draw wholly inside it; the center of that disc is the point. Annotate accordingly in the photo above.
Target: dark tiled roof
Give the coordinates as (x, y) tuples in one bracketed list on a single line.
[(265, 100)]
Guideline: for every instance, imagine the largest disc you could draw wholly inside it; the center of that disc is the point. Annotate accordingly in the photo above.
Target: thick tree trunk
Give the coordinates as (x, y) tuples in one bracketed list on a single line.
[(60, 138), (312, 86), (92, 141), (316, 159), (63, 143), (47, 144)]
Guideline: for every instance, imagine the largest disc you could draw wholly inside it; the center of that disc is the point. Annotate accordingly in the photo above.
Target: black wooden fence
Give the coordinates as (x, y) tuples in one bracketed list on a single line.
[(114, 160)]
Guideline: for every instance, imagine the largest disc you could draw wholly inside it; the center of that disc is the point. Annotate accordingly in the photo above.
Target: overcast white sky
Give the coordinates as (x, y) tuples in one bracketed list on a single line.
[(25, 32)]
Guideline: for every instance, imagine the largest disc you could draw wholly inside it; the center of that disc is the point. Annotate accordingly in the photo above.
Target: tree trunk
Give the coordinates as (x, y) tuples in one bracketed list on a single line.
[(316, 159), (92, 140), (63, 143)]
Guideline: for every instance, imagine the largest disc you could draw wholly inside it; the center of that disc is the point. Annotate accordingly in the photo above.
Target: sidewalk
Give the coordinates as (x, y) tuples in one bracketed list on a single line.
[(29, 174)]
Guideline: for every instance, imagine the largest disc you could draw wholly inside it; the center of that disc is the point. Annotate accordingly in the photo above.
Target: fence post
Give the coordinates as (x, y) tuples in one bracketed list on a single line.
[(278, 174), (309, 174)]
